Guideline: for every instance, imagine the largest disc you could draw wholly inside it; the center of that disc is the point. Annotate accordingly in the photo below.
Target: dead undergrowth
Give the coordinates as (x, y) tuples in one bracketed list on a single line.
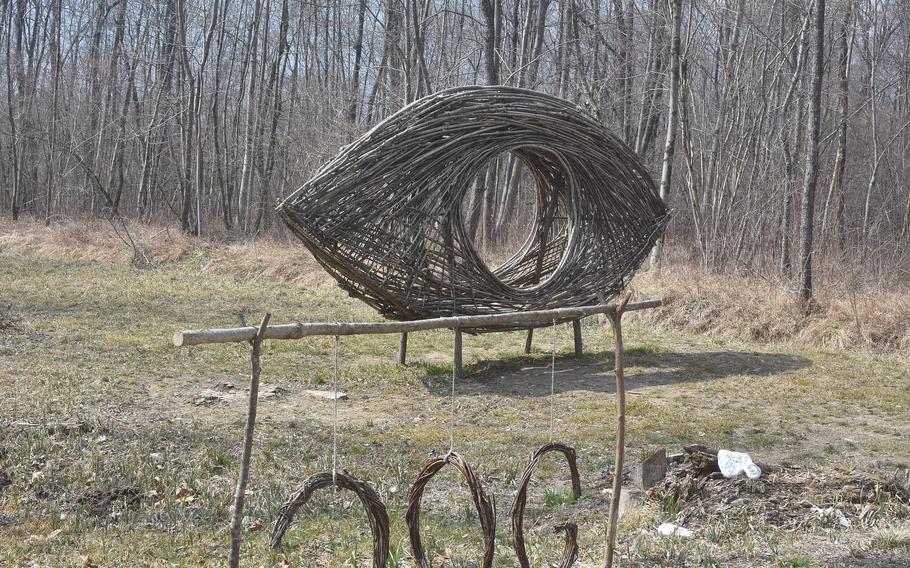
[(850, 313), (790, 498), (144, 245), (847, 315)]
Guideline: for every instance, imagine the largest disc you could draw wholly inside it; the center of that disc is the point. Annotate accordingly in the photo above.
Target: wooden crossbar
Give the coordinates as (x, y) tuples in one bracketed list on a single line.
[(534, 318)]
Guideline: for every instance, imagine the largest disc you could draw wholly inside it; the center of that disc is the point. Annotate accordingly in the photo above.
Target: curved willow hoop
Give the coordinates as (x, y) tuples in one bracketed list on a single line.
[(570, 551), (375, 509), (486, 507)]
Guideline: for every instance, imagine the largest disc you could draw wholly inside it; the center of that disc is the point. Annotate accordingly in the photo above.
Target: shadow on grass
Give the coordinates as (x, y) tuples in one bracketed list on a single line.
[(892, 560), (645, 367)]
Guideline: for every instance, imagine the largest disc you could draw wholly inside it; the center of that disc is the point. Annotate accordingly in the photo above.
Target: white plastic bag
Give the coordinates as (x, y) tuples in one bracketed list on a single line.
[(842, 519), (734, 463), (669, 529)]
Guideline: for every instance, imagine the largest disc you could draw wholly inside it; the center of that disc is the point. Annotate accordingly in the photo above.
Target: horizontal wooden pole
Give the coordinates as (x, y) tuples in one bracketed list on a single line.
[(300, 330)]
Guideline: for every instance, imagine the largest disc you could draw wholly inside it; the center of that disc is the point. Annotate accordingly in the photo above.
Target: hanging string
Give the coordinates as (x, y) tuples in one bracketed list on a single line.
[(455, 345), (335, 420), (452, 424), (552, 379)]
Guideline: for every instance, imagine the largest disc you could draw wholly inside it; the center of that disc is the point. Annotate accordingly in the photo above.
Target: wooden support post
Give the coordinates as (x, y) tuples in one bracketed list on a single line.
[(576, 330), (403, 349), (240, 492), (528, 340), (616, 321), (456, 362)]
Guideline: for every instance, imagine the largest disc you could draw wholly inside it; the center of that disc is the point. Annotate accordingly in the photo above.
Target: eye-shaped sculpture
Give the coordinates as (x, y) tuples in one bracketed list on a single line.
[(383, 217)]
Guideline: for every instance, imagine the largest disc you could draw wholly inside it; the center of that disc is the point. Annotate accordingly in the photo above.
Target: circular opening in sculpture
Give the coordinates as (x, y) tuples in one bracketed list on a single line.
[(515, 216), (499, 209)]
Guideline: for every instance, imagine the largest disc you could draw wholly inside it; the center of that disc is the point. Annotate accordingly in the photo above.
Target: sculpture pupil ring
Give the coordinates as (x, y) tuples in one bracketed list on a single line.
[(552, 224), (570, 549)]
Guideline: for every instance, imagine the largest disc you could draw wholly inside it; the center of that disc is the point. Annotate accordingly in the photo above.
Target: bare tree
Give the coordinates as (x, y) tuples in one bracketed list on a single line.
[(666, 173), (807, 211), (836, 190), (204, 114)]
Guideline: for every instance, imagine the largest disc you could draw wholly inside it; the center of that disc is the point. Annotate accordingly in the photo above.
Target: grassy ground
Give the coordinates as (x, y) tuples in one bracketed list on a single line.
[(107, 456)]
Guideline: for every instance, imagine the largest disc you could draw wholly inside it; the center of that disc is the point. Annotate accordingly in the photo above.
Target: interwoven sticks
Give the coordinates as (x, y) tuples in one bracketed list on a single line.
[(570, 551), (486, 508), (383, 217), (375, 509)]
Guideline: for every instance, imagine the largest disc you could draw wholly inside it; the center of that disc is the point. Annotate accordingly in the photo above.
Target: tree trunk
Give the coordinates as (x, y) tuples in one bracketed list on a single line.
[(492, 12), (11, 116), (625, 24), (906, 230), (837, 178), (358, 55), (798, 57), (666, 171), (807, 211), (56, 68)]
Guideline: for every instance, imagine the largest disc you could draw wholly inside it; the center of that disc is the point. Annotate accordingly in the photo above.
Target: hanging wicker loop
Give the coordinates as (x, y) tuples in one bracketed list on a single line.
[(372, 503), (486, 507), (570, 551)]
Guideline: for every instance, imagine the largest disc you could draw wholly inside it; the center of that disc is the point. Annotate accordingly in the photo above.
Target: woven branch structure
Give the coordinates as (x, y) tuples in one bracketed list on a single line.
[(384, 216), (570, 549), (372, 504), (486, 507)]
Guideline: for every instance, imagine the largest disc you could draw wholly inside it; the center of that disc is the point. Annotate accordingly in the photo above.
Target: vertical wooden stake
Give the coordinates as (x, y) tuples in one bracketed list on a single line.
[(403, 349), (576, 330), (616, 321), (528, 340), (240, 492), (457, 358)]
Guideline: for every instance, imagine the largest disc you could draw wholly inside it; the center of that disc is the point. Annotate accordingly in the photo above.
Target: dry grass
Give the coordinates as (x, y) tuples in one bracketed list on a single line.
[(267, 258), (750, 308), (849, 314), (95, 240)]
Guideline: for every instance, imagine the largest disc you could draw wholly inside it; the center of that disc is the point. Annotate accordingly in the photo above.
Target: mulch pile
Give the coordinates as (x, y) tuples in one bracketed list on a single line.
[(784, 497)]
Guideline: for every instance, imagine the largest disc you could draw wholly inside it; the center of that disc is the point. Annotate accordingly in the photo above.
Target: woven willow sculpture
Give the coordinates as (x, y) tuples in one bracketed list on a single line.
[(383, 217)]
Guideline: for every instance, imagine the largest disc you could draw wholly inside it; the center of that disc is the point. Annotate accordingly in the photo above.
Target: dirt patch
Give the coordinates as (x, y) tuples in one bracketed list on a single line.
[(226, 392)]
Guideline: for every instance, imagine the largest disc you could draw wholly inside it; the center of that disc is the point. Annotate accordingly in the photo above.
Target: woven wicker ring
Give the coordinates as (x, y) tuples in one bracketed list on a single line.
[(570, 550), (486, 508), (375, 509)]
